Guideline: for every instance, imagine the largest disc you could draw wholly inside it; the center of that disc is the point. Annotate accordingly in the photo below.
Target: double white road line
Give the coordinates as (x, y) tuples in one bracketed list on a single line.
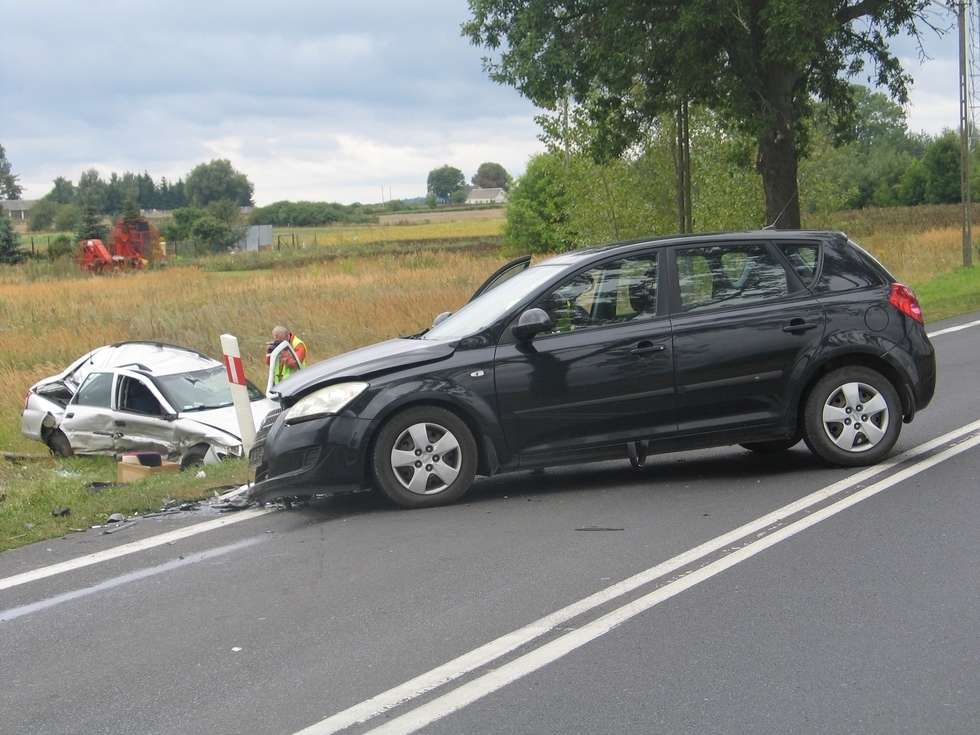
[(764, 532)]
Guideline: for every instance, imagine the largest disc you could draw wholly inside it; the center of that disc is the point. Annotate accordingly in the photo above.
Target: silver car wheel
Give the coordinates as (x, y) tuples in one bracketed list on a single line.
[(426, 458), (855, 417)]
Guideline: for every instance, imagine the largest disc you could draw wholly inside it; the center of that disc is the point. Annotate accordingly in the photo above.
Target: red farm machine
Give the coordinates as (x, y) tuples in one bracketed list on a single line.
[(132, 244)]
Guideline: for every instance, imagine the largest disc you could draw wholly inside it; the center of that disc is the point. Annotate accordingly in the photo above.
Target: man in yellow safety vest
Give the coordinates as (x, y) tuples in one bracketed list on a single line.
[(286, 365)]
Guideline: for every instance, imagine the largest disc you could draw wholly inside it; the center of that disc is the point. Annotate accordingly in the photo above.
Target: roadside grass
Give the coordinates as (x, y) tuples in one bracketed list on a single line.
[(950, 294), (31, 490)]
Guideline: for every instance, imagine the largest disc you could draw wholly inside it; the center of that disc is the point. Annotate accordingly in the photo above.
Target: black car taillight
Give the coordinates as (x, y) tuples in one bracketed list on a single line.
[(903, 298)]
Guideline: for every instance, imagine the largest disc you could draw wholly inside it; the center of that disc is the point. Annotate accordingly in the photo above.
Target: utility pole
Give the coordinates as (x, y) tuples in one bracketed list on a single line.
[(964, 138)]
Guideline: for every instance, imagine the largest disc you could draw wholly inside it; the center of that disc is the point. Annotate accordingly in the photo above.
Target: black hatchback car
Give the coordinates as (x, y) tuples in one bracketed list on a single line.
[(756, 338)]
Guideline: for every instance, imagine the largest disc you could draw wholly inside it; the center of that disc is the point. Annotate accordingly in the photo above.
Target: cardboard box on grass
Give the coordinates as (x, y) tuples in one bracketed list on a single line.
[(138, 465)]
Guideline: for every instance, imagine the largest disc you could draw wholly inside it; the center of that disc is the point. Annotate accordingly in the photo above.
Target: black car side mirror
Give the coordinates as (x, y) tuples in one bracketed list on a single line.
[(441, 318), (531, 323)]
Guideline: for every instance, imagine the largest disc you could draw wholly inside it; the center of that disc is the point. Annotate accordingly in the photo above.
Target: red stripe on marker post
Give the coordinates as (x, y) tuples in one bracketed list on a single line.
[(235, 369)]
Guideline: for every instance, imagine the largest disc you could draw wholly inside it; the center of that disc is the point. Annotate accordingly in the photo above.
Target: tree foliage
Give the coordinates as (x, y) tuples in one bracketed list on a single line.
[(216, 180), (445, 180), (539, 208), (9, 188), (491, 175), (758, 65), (10, 250)]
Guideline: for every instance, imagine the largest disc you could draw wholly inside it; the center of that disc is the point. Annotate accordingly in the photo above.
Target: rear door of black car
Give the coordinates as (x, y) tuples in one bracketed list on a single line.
[(744, 327)]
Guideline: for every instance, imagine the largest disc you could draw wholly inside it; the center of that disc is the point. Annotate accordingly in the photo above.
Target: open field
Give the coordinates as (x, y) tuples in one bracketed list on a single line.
[(452, 215), (360, 234)]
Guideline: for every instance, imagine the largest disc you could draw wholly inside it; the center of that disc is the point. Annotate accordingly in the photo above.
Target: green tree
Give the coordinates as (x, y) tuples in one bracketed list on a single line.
[(10, 252), (90, 225), (42, 214), (539, 207), (130, 209), (9, 188), (211, 234), (63, 191), (443, 181), (68, 217), (225, 211), (210, 182), (92, 191), (942, 166), (758, 64), (491, 175), (912, 187)]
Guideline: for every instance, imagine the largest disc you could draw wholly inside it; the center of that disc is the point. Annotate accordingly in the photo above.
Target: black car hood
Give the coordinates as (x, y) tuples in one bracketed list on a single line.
[(363, 362)]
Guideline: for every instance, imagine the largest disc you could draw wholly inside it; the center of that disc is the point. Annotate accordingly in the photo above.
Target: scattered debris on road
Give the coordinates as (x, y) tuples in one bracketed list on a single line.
[(61, 511)]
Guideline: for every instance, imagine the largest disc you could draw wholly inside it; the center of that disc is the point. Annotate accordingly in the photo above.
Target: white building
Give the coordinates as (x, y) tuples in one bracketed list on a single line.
[(18, 209), (487, 196)]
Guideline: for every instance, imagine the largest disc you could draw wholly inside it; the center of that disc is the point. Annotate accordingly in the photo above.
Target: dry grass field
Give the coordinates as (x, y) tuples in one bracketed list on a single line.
[(335, 306), (452, 215)]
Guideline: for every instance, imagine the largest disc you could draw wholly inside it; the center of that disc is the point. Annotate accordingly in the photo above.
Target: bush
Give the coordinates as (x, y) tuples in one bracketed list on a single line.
[(61, 247), (67, 217)]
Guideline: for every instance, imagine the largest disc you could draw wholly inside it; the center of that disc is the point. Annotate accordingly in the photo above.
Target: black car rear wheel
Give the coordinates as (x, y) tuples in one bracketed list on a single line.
[(58, 444), (852, 417), (423, 457)]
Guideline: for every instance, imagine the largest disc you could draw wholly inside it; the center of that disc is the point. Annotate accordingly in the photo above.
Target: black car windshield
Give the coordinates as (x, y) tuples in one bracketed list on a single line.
[(200, 390), (488, 307)]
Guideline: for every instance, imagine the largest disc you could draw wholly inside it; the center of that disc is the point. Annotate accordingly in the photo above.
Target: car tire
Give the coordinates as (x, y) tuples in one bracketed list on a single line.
[(409, 466), (772, 447), (59, 445), (852, 417), (193, 457)]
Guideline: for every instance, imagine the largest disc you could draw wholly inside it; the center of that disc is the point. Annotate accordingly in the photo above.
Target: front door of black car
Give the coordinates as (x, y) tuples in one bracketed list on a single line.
[(603, 376), (743, 327)]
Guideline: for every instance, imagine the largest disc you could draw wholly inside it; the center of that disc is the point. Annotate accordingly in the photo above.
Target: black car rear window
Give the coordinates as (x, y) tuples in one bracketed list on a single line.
[(845, 270)]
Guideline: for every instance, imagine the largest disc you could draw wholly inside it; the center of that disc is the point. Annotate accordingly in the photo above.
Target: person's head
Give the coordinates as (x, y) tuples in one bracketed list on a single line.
[(280, 333)]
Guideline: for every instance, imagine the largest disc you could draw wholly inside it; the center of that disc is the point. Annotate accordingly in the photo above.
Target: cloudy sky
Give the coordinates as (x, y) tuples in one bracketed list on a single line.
[(313, 99)]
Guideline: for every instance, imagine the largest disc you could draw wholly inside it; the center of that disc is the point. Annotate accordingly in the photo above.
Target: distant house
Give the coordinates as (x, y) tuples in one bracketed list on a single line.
[(18, 209), (487, 196)]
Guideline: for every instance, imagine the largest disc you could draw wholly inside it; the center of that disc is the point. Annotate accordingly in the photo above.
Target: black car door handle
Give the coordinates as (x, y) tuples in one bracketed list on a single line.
[(799, 326), (646, 347), (119, 423), (69, 415)]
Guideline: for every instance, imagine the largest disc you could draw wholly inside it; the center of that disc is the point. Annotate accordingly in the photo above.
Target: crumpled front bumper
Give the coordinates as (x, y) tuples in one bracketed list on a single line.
[(322, 456)]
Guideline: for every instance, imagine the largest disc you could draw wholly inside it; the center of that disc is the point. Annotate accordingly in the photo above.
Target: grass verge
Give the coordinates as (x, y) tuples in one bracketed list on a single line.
[(31, 490), (950, 294)]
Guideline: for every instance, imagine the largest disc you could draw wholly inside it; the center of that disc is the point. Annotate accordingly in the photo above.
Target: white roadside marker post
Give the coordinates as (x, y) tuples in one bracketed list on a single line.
[(239, 392)]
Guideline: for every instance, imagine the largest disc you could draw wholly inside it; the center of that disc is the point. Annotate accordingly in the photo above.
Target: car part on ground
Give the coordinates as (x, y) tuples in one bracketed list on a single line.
[(645, 347)]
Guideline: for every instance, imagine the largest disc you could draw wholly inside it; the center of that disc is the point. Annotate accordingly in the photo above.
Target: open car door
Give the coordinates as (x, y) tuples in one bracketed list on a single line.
[(507, 270), (283, 346)]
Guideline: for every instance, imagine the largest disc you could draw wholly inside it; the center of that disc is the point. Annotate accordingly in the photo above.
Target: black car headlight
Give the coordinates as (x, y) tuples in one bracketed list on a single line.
[(324, 402)]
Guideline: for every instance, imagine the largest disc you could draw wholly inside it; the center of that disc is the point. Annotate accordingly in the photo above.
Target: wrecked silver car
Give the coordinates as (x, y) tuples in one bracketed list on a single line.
[(139, 396)]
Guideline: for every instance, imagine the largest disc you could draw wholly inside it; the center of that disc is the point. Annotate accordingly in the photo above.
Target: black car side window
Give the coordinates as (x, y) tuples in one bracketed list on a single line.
[(613, 292), (717, 276), (95, 391), (804, 258)]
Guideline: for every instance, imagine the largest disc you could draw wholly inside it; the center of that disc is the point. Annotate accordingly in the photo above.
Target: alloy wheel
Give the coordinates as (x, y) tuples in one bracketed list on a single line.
[(426, 458), (855, 417)]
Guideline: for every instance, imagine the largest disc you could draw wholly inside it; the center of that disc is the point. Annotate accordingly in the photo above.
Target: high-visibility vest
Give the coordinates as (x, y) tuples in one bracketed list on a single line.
[(283, 370)]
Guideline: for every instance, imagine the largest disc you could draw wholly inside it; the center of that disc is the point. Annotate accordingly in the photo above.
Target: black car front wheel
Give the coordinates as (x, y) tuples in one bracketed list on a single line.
[(853, 417), (423, 457)]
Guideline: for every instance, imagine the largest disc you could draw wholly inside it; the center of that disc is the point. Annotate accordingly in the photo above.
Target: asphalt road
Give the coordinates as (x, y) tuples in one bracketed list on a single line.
[(827, 619)]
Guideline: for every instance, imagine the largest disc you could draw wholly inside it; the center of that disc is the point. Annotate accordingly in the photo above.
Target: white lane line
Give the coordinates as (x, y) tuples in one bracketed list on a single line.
[(16, 612), (500, 677), (489, 652), (131, 548), (957, 328)]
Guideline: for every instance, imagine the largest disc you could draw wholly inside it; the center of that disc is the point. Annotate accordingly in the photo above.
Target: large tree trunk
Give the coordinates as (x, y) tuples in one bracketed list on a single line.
[(777, 155)]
